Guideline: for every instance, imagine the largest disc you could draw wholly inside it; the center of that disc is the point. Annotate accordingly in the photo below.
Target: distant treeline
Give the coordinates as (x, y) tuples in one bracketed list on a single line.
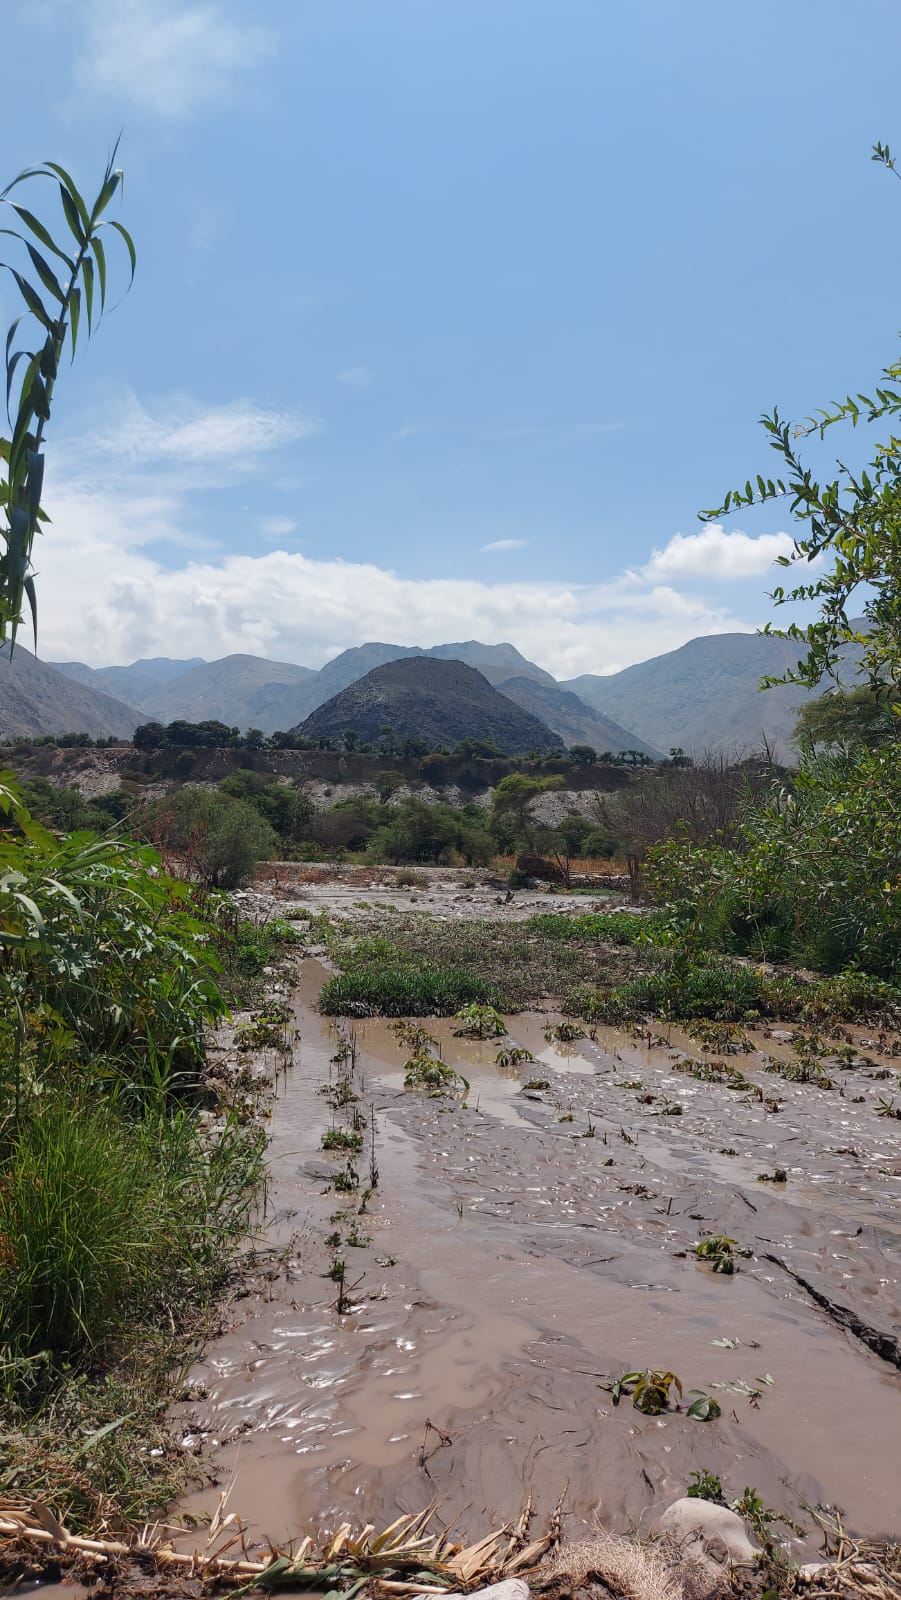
[(214, 735)]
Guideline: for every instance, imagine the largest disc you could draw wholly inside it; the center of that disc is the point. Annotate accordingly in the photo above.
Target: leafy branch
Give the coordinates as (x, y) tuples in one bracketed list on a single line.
[(53, 298), (852, 522)]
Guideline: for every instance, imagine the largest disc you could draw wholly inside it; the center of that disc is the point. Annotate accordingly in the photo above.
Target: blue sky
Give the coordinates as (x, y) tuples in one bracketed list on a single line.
[(450, 314)]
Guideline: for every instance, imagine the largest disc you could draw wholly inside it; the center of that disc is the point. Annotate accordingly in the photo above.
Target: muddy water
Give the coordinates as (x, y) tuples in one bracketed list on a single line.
[(525, 1247)]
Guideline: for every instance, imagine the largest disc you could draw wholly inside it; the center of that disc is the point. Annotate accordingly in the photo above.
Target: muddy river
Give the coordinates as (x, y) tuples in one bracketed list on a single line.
[(525, 1246)]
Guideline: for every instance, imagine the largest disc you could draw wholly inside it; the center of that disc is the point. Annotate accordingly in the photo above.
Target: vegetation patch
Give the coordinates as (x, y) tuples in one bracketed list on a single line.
[(401, 991), (615, 927), (428, 964)]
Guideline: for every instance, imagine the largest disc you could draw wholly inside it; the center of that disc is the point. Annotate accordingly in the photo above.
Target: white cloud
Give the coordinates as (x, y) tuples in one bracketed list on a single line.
[(715, 554), (102, 599), (169, 59), (117, 494), (504, 544), (184, 432), (356, 378), (273, 528)]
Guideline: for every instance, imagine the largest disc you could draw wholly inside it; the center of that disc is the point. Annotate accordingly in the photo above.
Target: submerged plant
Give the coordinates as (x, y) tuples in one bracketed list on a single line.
[(706, 1485), (426, 1072), (650, 1390), (563, 1033), (718, 1252), (513, 1056), (480, 1022)]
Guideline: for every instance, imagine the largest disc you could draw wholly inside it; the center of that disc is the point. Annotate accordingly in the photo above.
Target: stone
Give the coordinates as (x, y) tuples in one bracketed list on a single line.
[(510, 1589), (703, 1529)]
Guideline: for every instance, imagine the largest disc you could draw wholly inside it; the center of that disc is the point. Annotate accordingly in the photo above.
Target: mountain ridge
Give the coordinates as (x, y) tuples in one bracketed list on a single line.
[(702, 695)]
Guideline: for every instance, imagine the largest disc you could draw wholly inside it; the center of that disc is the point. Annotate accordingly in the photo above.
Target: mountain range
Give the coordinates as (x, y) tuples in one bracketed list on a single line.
[(702, 696)]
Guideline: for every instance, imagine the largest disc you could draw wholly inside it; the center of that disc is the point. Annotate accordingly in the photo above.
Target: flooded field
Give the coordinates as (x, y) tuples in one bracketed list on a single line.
[(526, 1245)]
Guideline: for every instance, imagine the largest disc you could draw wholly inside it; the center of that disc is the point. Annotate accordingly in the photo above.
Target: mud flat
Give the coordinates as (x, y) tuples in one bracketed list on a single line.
[(526, 1246)]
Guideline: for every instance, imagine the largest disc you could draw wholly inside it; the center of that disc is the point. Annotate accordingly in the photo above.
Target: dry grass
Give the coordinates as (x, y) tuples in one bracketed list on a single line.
[(406, 1558)]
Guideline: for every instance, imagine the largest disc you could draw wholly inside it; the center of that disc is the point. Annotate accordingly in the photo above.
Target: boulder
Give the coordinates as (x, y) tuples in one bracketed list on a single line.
[(704, 1530)]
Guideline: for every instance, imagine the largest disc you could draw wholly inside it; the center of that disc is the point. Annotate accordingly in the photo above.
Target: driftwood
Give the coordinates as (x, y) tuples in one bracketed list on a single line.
[(882, 1344)]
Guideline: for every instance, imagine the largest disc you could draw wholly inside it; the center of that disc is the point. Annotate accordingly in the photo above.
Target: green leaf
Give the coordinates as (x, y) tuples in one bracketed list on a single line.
[(35, 483), (66, 183), (74, 314), (32, 299), (71, 214), (129, 244), (87, 273), (31, 594), (45, 273), (11, 370), (106, 194), (100, 257), (705, 1409), (41, 233)]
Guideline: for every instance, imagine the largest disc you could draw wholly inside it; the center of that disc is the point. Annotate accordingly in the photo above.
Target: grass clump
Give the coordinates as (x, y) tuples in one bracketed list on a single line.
[(510, 966), (104, 1224), (401, 991)]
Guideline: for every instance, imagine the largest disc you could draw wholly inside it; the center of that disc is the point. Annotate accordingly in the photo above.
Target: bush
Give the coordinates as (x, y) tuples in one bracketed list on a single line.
[(813, 875), (218, 839), (109, 964)]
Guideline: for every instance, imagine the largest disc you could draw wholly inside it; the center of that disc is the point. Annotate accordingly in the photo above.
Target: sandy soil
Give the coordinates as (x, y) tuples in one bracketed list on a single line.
[(353, 893)]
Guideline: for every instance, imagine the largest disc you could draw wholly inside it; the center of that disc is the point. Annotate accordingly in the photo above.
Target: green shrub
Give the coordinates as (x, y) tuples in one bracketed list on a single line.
[(813, 876), (219, 840)]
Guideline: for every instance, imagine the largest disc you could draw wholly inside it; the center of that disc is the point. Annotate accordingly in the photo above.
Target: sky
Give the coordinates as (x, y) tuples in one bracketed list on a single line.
[(449, 315)]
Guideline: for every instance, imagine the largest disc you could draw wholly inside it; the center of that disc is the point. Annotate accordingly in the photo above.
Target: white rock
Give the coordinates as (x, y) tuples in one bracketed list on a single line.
[(510, 1589), (704, 1528)]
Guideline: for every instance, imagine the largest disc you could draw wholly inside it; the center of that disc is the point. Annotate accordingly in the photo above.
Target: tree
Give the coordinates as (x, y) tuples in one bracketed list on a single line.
[(52, 304), (149, 736), (584, 755), (848, 718), (851, 526), (216, 838), (387, 783), (478, 749), (513, 798)]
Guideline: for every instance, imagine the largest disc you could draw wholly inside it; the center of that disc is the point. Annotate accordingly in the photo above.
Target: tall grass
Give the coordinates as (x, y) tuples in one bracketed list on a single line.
[(106, 1224)]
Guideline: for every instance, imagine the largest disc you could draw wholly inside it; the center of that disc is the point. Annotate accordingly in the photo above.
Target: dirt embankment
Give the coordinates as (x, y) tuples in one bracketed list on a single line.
[(327, 775)]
